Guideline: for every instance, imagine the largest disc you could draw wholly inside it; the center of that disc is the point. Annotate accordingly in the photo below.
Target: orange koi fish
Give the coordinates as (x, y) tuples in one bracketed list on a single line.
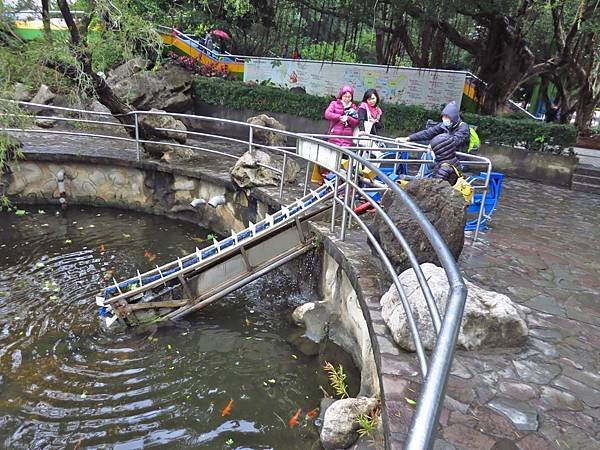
[(149, 255), (227, 410), (312, 413), (294, 420)]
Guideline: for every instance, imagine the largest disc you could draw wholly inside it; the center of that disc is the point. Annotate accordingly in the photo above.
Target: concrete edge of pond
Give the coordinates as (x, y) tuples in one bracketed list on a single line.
[(350, 278)]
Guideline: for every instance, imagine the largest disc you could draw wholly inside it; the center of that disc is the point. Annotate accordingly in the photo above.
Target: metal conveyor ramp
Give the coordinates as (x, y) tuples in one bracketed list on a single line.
[(198, 279)]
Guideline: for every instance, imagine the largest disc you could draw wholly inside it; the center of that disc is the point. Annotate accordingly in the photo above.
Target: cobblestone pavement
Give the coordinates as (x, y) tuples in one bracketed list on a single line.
[(542, 251), (588, 156)]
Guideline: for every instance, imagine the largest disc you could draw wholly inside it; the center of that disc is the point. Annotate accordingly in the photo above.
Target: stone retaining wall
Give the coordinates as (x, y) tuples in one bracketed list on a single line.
[(546, 168)]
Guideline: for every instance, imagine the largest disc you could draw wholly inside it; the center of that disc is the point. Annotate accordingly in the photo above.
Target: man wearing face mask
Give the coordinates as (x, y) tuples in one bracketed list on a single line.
[(451, 124)]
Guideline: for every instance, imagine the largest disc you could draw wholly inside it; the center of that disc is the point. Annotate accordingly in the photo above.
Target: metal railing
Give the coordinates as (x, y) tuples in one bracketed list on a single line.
[(348, 166)]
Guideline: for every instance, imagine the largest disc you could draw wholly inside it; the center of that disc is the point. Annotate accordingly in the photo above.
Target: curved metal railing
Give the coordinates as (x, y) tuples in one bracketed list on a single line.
[(347, 165)]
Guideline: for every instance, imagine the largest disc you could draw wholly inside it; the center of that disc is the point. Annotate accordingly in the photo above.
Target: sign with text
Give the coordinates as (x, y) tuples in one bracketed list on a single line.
[(429, 88)]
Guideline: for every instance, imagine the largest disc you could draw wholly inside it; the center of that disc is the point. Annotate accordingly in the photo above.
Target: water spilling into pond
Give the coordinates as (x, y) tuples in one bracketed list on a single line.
[(66, 381)]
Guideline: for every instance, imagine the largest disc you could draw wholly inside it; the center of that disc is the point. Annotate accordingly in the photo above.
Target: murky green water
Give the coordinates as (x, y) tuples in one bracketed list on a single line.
[(65, 382)]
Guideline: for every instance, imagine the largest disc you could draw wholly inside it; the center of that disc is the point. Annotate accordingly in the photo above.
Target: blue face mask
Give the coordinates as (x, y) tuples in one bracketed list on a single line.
[(447, 122)]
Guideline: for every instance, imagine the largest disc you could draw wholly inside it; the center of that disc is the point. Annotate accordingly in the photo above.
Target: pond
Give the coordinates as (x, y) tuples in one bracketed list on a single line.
[(228, 377)]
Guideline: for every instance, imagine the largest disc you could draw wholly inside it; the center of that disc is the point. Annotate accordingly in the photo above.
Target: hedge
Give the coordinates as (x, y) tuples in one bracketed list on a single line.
[(399, 120)]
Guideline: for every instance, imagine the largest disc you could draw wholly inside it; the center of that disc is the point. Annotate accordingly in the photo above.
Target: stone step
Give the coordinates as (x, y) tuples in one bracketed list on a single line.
[(585, 187), (579, 178), (587, 169)]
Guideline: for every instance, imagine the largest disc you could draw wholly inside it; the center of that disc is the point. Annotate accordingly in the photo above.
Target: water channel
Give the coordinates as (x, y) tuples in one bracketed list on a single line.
[(65, 381)]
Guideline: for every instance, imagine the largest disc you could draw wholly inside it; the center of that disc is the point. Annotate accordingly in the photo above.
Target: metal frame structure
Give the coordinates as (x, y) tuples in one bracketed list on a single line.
[(347, 165)]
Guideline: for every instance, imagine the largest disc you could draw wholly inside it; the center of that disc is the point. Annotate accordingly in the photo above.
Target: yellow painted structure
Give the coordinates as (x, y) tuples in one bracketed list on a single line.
[(184, 47)]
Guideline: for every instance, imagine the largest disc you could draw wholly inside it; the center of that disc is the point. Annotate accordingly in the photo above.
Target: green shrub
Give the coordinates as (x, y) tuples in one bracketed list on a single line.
[(399, 120)]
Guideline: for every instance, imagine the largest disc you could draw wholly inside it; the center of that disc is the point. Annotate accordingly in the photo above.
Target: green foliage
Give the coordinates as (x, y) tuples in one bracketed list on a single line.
[(337, 379), (328, 51), (367, 424), (11, 116), (531, 134), (399, 120)]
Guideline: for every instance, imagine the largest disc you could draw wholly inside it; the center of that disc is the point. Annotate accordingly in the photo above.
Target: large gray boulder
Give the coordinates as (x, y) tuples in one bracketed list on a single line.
[(43, 96), (21, 93), (340, 423), (178, 155), (45, 123), (176, 128), (292, 169), (445, 208), (167, 88), (126, 70), (158, 149), (266, 137), (490, 319), (249, 170), (314, 317)]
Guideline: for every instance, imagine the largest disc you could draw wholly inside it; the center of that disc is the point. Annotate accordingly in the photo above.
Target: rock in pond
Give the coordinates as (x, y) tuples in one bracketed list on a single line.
[(340, 423)]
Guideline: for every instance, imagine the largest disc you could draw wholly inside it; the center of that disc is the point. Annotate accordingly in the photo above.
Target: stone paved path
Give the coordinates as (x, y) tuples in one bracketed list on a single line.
[(588, 156), (543, 250)]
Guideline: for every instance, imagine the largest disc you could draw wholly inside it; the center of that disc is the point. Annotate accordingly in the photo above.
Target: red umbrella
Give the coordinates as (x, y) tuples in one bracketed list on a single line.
[(221, 34)]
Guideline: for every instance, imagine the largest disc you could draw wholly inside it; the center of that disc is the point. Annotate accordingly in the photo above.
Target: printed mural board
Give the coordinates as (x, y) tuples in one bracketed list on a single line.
[(427, 88)]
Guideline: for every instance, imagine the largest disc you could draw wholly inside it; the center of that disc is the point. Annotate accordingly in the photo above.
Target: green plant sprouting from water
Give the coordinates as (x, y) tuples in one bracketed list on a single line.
[(337, 379), (318, 242), (367, 424)]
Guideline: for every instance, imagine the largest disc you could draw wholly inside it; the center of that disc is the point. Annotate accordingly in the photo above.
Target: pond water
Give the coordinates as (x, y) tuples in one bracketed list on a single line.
[(65, 381)]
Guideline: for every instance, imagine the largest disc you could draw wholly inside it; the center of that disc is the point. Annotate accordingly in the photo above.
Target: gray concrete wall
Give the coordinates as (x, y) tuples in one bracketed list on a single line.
[(543, 167), (291, 122)]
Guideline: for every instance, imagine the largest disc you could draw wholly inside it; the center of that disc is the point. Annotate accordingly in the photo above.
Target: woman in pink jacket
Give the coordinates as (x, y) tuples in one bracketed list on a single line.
[(342, 115)]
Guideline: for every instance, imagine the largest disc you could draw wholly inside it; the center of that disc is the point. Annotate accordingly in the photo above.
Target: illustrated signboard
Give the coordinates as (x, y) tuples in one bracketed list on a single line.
[(428, 88)]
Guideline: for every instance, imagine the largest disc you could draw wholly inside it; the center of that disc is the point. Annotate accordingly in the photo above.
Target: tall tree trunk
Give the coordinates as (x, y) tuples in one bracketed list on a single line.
[(379, 41), (46, 19), (437, 50), (101, 89), (504, 60), (426, 38), (586, 104)]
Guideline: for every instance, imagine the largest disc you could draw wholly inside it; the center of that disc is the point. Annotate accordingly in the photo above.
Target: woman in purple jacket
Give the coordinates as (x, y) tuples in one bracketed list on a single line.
[(342, 115)]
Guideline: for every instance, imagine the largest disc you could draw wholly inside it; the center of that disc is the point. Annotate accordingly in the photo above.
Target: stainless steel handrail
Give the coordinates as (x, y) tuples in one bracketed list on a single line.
[(435, 371), (410, 147)]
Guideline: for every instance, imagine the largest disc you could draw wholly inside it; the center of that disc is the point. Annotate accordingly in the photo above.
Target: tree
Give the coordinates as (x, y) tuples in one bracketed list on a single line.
[(74, 58), (578, 50)]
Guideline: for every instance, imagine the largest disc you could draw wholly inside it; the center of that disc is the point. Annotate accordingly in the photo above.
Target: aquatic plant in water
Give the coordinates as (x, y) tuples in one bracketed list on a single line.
[(337, 379)]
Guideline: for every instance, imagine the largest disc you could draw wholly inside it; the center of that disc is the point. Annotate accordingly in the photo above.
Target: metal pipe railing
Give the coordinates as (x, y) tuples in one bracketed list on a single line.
[(436, 371), (395, 146)]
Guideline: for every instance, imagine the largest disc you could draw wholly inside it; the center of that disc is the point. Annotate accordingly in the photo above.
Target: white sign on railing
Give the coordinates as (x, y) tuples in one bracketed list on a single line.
[(428, 88), (325, 156)]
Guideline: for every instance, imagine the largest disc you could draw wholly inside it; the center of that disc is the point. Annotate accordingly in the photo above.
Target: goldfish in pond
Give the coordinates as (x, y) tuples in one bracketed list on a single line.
[(312, 413), (227, 410), (294, 420), (149, 255)]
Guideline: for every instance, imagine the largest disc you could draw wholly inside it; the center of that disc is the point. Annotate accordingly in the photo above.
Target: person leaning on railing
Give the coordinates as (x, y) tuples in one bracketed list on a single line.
[(451, 124), (445, 139)]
